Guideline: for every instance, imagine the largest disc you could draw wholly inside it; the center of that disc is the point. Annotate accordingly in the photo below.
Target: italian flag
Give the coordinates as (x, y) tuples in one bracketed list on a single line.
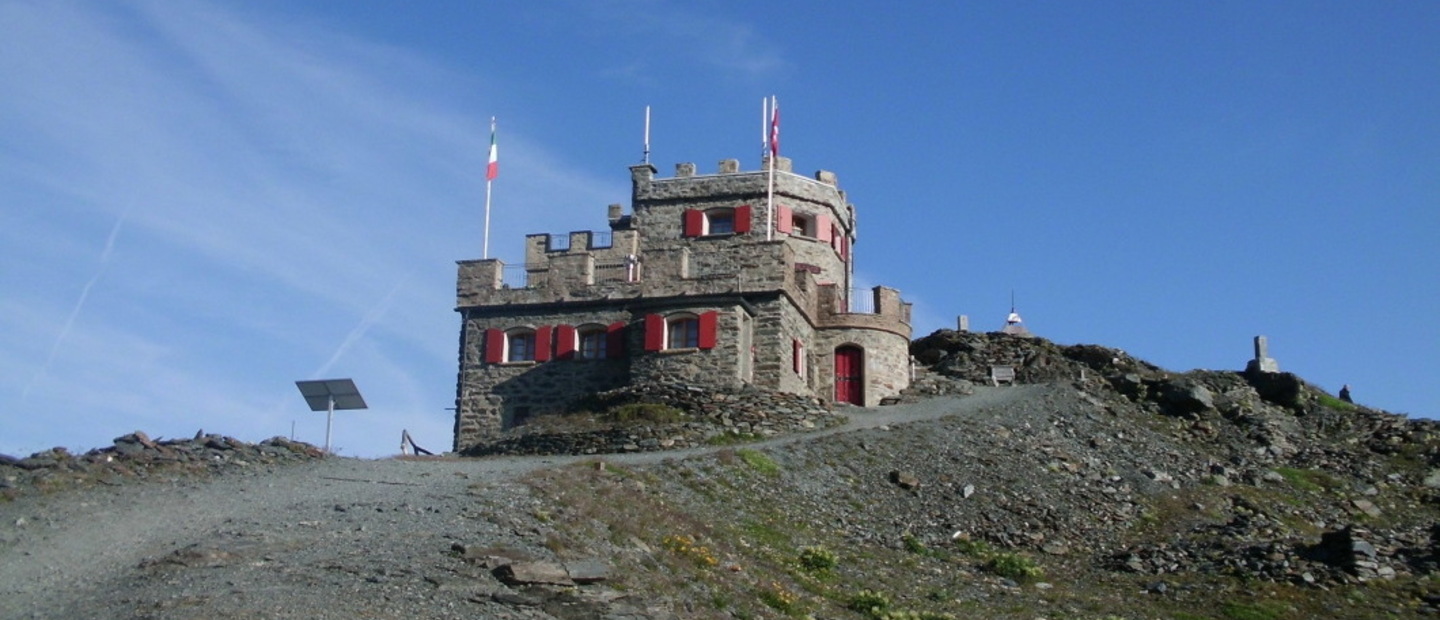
[(492, 170)]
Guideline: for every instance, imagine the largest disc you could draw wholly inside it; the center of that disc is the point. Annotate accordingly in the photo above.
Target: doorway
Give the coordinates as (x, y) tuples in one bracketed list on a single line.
[(850, 375)]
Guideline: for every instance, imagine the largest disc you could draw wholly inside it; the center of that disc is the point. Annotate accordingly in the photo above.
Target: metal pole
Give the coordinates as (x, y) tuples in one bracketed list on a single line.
[(485, 251), (774, 153), (329, 417)]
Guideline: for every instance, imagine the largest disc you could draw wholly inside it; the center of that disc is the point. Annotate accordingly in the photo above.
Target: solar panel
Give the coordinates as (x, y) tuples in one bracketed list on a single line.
[(318, 394)]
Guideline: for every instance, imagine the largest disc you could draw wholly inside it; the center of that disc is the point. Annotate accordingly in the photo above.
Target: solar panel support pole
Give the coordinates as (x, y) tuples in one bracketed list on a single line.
[(328, 395), (329, 420)]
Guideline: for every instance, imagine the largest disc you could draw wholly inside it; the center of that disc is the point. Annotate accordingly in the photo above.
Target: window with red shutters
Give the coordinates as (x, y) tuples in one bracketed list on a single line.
[(544, 342), (654, 332), (694, 223), (784, 220), (742, 219), (494, 346), (564, 342), (615, 340), (709, 324), (797, 350)]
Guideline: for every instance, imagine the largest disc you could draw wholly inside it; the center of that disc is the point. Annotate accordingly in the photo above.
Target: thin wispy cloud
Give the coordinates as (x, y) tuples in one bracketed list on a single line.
[(358, 332), (255, 215), (79, 305)]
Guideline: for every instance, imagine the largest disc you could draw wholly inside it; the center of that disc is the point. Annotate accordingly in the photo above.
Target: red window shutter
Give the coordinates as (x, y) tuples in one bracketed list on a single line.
[(742, 219), (844, 248), (822, 228), (564, 342), (542, 342), (494, 346), (654, 332), (694, 223), (615, 340), (708, 323), (784, 219), (795, 352)]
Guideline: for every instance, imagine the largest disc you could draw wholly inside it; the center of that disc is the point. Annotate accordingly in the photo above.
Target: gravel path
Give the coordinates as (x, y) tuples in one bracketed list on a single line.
[(338, 538)]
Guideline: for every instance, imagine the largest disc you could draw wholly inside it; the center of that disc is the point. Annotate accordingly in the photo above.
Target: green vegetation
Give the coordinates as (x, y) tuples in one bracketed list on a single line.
[(1330, 402), (1253, 611), (765, 533), (1307, 479), (1014, 566), (974, 548), (730, 438), (818, 560), (777, 597), (913, 544), (652, 413), (759, 462), (869, 602)]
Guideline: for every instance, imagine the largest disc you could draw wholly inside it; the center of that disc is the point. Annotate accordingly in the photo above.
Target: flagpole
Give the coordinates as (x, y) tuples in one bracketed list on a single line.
[(774, 153), (490, 169), (485, 252)]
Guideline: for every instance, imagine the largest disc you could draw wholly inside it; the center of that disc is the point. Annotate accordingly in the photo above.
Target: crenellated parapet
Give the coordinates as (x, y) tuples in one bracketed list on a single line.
[(891, 313)]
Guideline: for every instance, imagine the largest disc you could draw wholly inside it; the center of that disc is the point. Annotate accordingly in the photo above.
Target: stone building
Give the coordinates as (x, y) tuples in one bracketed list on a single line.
[(701, 284)]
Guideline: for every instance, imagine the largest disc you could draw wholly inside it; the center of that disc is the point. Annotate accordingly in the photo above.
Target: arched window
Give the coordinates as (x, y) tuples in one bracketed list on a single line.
[(682, 331), (719, 221), (520, 345)]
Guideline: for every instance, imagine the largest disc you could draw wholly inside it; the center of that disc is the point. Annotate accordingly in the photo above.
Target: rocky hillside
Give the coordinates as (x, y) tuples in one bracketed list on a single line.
[(1099, 486)]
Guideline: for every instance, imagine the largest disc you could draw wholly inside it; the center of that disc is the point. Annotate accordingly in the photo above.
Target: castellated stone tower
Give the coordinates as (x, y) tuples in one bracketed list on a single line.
[(701, 284)]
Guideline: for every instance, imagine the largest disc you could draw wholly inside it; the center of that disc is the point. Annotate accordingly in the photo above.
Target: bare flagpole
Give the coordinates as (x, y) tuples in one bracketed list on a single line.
[(645, 159), (492, 169)]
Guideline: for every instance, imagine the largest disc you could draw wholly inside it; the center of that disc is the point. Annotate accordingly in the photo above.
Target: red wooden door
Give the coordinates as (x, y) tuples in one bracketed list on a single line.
[(849, 375)]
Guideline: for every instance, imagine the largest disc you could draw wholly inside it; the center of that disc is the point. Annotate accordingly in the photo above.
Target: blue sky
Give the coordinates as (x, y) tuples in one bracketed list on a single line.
[(203, 201)]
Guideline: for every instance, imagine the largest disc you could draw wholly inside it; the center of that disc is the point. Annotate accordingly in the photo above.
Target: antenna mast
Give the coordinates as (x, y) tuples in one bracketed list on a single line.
[(645, 158)]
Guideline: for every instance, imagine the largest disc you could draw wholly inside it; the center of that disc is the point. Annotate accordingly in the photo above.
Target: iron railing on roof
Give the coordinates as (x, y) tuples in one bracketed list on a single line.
[(860, 301), (515, 276), (617, 271)]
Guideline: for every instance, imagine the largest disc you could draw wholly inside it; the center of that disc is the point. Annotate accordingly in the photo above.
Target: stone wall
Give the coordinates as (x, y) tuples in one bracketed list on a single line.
[(718, 367), (711, 415)]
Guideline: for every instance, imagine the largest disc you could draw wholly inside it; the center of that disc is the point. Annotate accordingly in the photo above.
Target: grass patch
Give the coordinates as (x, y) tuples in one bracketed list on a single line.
[(781, 599), (637, 413), (1307, 479), (1253, 611), (973, 548), (913, 545), (818, 560), (730, 438), (1014, 566), (1330, 402), (758, 461), (766, 534)]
